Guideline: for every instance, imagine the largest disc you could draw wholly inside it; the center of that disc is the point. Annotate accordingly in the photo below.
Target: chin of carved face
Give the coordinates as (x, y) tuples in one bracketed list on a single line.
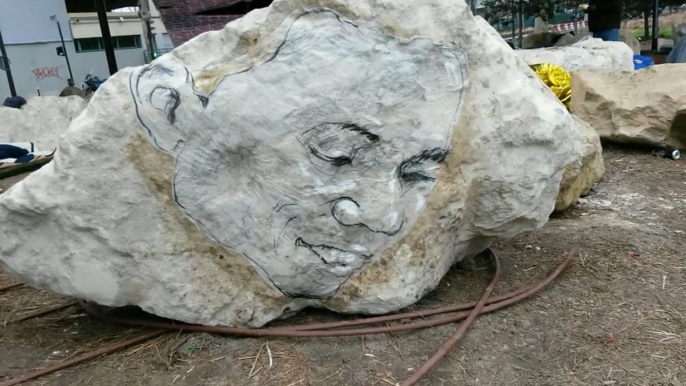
[(316, 161), (328, 267)]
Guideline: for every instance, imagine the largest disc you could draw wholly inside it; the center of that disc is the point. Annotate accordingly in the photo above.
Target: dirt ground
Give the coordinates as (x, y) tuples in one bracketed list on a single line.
[(616, 317)]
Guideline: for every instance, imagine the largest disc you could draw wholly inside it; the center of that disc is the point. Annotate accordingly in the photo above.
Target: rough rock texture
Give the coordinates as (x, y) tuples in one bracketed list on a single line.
[(330, 153), (583, 172), (630, 40), (540, 39), (625, 36), (564, 40), (678, 31), (569, 38), (664, 44), (678, 54), (633, 107), (588, 54), (41, 121)]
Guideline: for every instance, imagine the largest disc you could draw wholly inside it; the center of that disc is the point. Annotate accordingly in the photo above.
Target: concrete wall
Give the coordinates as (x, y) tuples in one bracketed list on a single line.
[(38, 66), (86, 25), (28, 21)]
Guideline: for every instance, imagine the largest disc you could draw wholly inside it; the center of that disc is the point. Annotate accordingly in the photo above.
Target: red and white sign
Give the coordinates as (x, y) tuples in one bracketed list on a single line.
[(564, 27)]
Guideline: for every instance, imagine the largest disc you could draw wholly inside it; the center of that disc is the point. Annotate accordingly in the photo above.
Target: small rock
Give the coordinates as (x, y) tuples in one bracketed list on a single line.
[(600, 98), (588, 54)]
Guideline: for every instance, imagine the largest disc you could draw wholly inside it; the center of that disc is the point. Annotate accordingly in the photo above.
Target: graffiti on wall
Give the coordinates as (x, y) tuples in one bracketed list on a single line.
[(41, 73)]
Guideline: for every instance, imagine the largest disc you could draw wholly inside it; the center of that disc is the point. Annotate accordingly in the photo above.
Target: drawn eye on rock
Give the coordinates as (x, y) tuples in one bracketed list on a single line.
[(335, 158), (420, 167), (336, 143)]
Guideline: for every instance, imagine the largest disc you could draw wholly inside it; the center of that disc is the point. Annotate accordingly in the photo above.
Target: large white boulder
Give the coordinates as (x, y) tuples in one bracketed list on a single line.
[(639, 107), (587, 54), (329, 153), (41, 120)]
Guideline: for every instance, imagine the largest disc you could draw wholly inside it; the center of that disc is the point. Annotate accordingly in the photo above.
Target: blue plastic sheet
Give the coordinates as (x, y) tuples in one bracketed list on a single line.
[(641, 61)]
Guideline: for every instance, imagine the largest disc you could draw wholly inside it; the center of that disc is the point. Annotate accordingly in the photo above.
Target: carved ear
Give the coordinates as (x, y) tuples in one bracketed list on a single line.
[(166, 102)]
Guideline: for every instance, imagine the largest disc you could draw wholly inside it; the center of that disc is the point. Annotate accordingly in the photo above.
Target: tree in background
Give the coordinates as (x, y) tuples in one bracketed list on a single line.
[(505, 10), (499, 9), (634, 9)]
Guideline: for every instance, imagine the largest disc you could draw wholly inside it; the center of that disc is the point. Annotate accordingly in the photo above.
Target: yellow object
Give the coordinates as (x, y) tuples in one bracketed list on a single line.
[(557, 79)]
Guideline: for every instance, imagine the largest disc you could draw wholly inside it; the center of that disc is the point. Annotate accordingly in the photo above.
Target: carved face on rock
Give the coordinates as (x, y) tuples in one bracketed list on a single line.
[(317, 159)]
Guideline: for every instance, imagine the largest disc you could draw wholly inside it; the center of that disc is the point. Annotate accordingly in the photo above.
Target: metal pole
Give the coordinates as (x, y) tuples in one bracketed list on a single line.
[(576, 18), (656, 29), (147, 28), (106, 36), (6, 63), (521, 22), (514, 25), (64, 49)]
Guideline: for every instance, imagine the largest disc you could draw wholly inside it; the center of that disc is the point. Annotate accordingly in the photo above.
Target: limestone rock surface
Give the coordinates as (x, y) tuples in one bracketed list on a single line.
[(587, 169), (630, 40), (678, 54), (664, 45), (328, 153), (569, 38), (537, 40), (639, 107), (566, 40), (678, 31), (587, 54), (625, 36), (41, 120)]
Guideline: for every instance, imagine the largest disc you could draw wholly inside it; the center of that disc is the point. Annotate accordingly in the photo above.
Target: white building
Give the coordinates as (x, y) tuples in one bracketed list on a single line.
[(126, 29), (31, 35)]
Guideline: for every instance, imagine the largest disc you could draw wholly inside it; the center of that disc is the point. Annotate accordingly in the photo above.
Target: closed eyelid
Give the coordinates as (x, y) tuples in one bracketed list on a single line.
[(348, 138), (336, 161), (436, 154)]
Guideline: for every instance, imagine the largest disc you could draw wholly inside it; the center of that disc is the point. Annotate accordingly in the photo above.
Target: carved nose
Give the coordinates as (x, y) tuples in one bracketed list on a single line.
[(349, 213)]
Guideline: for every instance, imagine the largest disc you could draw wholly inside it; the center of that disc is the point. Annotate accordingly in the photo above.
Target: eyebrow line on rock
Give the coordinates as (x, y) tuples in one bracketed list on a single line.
[(359, 130), (436, 154)]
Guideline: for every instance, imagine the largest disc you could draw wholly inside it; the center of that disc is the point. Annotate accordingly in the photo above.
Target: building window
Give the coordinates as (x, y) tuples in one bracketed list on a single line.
[(122, 42), (98, 44), (90, 44)]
